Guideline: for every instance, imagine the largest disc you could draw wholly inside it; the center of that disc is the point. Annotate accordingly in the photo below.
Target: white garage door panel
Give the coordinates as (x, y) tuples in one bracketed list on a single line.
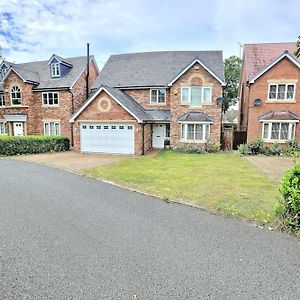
[(107, 138)]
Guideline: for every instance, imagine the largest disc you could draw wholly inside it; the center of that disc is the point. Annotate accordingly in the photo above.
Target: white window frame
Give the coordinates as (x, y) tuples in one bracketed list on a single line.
[(285, 94), (184, 131), (3, 129), (3, 71), (55, 123), (2, 100), (13, 98), (291, 132), (47, 95), (157, 92), (190, 95), (55, 69)]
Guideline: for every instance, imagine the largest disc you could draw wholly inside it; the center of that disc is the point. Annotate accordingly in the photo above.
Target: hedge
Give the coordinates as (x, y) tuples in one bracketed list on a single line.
[(32, 144)]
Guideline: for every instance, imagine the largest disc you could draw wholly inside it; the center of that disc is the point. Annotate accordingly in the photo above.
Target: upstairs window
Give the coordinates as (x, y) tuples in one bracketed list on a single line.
[(2, 101), (158, 96), (55, 70), (3, 71), (50, 99), (15, 94), (282, 91), (196, 96)]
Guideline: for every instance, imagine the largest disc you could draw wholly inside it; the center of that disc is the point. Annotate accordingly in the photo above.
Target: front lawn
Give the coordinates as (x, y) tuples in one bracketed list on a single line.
[(221, 182)]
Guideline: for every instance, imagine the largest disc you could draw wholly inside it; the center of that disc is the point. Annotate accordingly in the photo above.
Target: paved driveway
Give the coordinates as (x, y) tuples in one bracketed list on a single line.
[(63, 236)]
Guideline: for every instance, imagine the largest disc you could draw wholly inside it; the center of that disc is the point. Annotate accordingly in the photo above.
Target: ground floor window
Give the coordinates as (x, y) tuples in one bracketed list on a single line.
[(195, 132), (51, 128), (278, 131), (3, 130)]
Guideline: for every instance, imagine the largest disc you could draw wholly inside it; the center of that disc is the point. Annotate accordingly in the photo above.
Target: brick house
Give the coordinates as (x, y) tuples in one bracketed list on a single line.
[(145, 100), (269, 93), (38, 98)]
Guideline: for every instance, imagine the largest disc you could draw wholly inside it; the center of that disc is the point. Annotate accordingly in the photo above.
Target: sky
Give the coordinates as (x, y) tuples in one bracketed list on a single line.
[(34, 30)]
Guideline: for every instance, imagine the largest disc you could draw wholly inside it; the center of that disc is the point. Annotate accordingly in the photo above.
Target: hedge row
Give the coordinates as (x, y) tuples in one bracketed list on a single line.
[(32, 145)]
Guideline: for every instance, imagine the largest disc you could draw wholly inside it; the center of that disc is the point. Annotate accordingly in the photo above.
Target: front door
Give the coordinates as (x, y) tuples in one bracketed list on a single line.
[(18, 129), (158, 135)]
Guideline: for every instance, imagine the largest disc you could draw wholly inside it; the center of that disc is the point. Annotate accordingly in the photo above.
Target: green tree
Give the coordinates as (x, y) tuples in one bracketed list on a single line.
[(232, 68), (297, 52)]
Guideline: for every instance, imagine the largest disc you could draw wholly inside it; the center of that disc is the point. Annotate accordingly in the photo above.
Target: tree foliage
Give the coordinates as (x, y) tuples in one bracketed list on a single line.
[(297, 52), (232, 68)]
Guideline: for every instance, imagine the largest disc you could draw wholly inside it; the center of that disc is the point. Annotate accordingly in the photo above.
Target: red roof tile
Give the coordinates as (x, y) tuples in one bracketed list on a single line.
[(279, 115), (258, 56)]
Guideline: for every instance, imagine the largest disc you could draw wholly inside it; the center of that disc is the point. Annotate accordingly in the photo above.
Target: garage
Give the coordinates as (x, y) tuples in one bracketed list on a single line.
[(115, 138)]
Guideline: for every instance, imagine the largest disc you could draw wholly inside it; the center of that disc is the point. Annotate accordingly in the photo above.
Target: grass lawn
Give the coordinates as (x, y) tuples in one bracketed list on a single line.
[(221, 182)]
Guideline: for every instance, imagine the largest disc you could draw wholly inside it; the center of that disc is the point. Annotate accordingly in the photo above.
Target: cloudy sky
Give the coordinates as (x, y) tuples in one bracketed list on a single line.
[(33, 30)]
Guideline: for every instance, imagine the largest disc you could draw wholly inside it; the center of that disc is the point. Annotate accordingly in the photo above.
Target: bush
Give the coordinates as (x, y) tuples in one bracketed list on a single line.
[(289, 208), (32, 145), (274, 150), (244, 149), (257, 147), (212, 147), (293, 148)]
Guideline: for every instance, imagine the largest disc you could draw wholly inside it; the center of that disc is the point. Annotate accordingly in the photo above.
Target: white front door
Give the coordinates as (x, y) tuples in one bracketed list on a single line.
[(158, 135), (18, 129)]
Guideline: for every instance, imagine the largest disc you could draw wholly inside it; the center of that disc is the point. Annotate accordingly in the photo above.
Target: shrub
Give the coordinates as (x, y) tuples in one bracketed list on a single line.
[(257, 147), (32, 145), (244, 149), (293, 148), (289, 208), (212, 147), (274, 150)]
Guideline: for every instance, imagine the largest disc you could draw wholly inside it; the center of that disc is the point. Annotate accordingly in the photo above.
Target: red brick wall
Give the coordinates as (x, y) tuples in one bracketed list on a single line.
[(284, 70)]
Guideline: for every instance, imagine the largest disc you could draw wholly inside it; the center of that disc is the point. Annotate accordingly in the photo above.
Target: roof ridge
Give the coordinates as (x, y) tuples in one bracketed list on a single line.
[(165, 51)]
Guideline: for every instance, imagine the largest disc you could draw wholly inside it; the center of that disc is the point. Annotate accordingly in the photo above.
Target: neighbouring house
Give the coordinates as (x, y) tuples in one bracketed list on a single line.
[(145, 100), (38, 98), (269, 93)]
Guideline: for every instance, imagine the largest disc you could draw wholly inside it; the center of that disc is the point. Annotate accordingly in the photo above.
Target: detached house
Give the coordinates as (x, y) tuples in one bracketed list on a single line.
[(145, 100), (270, 93), (38, 98)]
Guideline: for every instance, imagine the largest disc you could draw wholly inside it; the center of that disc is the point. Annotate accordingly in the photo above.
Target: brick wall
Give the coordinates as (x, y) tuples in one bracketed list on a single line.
[(284, 70)]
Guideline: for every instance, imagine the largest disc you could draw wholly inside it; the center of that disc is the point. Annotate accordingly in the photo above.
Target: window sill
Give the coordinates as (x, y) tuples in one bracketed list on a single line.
[(15, 106), (50, 106), (192, 142), (281, 101), (276, 141), (158, 104)]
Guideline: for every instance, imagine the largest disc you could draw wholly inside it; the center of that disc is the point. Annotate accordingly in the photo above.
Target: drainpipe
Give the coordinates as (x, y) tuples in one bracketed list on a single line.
[(87, 70), (72, 112), (143, 138)]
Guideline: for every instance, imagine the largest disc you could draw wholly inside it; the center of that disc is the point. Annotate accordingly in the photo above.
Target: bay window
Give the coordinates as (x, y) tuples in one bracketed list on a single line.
[(195, 132), (51, 128), (278, 131), (282, 91), (158, 96), (196, 96)]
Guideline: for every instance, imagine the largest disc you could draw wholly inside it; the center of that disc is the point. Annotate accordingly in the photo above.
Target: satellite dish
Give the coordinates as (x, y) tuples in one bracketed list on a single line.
[(220, 100), (257, 102)]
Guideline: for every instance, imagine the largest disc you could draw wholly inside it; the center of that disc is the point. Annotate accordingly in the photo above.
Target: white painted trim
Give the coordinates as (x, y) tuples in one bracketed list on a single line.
[(197, 60), (15, 118), (11, 99), (60, 61), (158, 103), (88, 102), (195, 122), (283, 55), (194, 140), (291, 132), (55, 123), (279, 121), (285, 94), (190, 95), (50, 105)]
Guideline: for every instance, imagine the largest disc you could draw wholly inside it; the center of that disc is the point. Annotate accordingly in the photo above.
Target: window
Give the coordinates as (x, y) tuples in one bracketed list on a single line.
[(282, 91), (91, 127), (52, 128), (196, 95), (158, 96), (55, 70), (98, 127), (105, 127), (3, 130), (121, 127), (83, 126), (167, 130), (195, 132), (15, 94), (50, 99), (2, 101), (278, 131), (3, 71), (113, 127), (130, 127)]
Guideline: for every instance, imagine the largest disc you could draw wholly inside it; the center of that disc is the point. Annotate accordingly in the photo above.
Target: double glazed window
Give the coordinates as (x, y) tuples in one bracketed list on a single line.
[(15, 95), (195, 132), (282, 91), (2, 101), (158, 96), (51, 128), (3, 130), (277, 131), (196, 95), (50, 99), (55, 70)]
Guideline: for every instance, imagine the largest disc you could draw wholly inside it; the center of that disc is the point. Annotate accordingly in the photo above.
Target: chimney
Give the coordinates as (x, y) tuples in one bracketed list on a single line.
[(87, 70)]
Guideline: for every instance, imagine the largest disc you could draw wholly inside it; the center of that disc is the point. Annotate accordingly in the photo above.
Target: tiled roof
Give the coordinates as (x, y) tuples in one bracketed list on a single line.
[(279, 115), (159, 115), (154, 68), (258, 56), (195, 117)]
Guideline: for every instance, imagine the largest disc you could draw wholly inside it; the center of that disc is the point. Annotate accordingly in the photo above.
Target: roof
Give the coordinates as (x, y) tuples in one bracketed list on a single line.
[(39, 72), (258, 56), (279, 115), (196, 117), (230, 117), (151, 69), (159, 115)]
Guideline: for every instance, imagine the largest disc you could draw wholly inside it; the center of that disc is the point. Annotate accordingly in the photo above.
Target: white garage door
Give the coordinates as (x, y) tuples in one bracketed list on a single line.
[(107, 138)]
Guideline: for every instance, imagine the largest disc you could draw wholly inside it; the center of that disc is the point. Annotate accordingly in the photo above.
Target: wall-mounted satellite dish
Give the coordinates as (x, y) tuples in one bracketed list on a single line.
[(220, 101), (257, 102)]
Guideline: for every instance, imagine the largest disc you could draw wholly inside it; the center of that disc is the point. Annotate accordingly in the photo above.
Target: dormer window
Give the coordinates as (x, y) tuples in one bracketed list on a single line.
[(55, 70), (3, 71)]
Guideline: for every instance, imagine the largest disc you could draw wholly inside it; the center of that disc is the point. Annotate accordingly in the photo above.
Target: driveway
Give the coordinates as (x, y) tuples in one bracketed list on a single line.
[(63, 236)]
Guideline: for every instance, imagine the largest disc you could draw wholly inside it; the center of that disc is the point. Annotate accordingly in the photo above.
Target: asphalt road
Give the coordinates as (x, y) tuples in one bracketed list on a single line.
[(63, 236)]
